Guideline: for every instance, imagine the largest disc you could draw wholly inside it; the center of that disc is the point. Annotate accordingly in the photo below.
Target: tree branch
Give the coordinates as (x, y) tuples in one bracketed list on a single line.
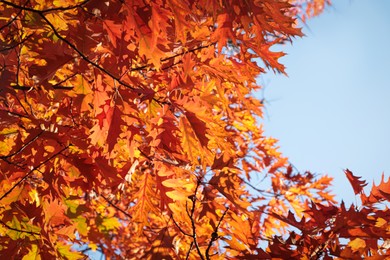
[(19, 230), (115, 206), (174, 56), (82, 55), (181, 230), (54, 9), (16, 44), (193, 199), (214, 235), (23, 147), (32, 170), (189, 250), (13, 18)]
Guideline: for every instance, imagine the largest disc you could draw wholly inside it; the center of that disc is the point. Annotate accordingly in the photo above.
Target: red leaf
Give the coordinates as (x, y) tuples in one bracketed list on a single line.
[(114, 118), (200, 128), (357, 184)]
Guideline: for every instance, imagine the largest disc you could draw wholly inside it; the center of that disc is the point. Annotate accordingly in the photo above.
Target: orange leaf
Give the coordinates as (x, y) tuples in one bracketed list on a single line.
[(357, 184)]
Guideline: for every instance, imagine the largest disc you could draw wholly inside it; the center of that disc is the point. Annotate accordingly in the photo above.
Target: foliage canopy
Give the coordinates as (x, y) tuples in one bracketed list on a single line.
[(131, 127)]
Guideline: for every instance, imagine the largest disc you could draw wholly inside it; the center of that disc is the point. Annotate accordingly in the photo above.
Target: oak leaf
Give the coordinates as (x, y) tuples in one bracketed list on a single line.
[(357, 184)]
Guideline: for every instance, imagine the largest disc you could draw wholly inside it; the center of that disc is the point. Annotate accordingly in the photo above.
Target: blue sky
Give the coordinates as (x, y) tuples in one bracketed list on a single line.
[(333, 110)]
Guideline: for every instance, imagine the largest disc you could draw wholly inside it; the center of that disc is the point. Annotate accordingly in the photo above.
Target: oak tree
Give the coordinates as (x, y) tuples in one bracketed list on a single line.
[(131, 127)]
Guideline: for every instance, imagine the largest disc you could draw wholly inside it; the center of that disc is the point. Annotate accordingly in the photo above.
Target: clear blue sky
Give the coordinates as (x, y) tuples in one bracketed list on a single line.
[(333, 111)]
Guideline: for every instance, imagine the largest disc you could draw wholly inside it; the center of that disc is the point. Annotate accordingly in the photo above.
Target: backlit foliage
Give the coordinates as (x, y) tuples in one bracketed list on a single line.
[(130, 127)]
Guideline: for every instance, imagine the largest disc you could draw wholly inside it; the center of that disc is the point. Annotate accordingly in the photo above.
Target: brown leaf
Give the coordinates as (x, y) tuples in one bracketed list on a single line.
[(355, 181)]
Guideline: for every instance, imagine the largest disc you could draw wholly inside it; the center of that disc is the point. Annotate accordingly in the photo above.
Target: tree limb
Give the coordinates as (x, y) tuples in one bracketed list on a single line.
[(214, 235), (32, 170)]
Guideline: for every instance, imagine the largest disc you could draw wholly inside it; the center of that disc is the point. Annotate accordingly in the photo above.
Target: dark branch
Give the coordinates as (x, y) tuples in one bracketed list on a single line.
[(15, 114), (191, 215), (263, 192), (189, 250), (173, 56), (23, 147), (214, 235), (13, 18), (181, 230), (60, 86), (115, 206), (32, 170), (54, 9), (16, 44), (82, 55), (19, 230)]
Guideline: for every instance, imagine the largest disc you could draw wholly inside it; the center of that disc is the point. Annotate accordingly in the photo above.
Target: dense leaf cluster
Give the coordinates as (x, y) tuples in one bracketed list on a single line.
[(130, 127)]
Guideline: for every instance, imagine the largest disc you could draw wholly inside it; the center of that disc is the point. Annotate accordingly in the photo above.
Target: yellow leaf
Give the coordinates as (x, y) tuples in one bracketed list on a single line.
[(111, 223), (236, 244), (173, 183), (66, 253), (33, 253), (189, 141), (176, 195), (93, 246), (357, 244), (82, 226), (380, 222), (58, 22), (13, 233), (34, 197)]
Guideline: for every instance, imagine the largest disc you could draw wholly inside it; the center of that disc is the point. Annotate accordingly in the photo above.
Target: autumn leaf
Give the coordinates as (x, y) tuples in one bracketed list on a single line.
[(357, 184), (54, 212), (132, 128), (357, 244)]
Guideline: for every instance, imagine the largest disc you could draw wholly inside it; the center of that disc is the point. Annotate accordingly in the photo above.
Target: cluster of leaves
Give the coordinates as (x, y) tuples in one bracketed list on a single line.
[(130, 127), (329, 231)]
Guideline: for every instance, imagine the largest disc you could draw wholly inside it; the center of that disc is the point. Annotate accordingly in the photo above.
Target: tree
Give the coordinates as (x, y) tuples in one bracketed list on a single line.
[(131, 128)]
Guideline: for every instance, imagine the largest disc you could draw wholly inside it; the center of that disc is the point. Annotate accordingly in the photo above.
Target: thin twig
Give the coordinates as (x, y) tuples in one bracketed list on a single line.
[(13, 18), (24, 109), (189, 250), (264, 192), (82, 55), (23, 147), (10, 47), (32, 170), (174, 56), (54, 9), (15, 114), (181, 230), (59, 86), (191, 215), (214, 235), (19, 230), (115, 206)]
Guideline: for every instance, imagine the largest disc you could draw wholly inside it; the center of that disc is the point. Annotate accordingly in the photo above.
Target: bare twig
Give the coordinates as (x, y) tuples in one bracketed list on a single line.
[(21, 104), (49, 10), (13, 19), (214, 235), (174, 56), (264, 192), (115, 206), (16, 44), (189, 250), (82, 55), (23, 147), (191, 215), (19, 230), (32, 170), (181, 230), (60, 86)]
